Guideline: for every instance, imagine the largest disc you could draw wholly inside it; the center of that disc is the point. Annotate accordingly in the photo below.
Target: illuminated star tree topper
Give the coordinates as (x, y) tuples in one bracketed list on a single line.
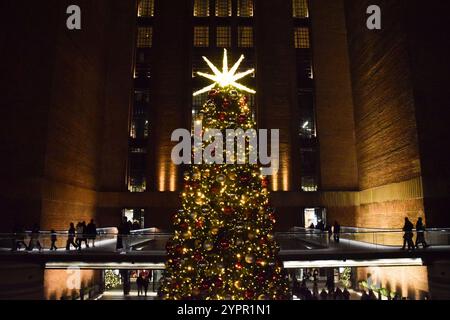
[(227, 77)]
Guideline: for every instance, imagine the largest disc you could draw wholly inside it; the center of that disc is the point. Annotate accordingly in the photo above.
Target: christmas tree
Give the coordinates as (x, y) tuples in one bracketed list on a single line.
[(224, 246)]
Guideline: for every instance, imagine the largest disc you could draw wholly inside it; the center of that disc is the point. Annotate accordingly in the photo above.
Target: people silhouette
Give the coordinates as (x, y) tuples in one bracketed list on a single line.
[(53, 239), (91, 230), (408, 235), (420, 238), (336, 231), (71, 237), (34, 238), (18, 237)]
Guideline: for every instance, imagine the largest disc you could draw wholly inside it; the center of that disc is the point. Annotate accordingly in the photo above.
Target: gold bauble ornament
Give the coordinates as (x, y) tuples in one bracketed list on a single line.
[(249, 258), (187, 235), (208, 245)]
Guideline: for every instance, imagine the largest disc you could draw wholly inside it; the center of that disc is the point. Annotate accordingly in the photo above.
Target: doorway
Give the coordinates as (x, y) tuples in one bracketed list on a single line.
[(312, 216)]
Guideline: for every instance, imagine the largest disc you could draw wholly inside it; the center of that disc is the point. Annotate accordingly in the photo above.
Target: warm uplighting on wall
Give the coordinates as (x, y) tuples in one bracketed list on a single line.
[(173, 178), (162, 177)]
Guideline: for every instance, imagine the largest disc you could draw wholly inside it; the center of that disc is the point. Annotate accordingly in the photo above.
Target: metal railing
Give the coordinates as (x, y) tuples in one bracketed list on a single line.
[(148, 240)]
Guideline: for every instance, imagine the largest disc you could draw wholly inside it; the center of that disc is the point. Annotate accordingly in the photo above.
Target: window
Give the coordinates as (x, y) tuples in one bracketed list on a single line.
[(223, 37), (201, 36), (146, 8), (201, 8), (136, 172), (300, 8), (302, 38), (145, 37), (245, 37), (139, 128), (245, 8), (142, 96), (223, 8)]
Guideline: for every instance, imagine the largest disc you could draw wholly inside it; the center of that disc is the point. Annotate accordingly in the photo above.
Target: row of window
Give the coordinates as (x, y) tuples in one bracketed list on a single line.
[(140, 126), (223, 37), (223, 8)]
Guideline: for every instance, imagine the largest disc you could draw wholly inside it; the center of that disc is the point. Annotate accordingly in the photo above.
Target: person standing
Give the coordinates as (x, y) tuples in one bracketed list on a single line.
[(420, 229), (145, 283), (92, 232), (139, 283), (85, 234), (337, 231), (408, 235), (53, 238), (79, 235), (346, 294), (123, 232)]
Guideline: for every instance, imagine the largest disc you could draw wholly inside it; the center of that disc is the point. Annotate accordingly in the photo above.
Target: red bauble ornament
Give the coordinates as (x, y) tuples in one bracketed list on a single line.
[(242, 118), (212, 93), (226, 104), (245, 178), (228, 210), (224, 244), (184, 226), (199, 223), (215, 190), (205, 285), (265, 183), (218, 283), (238, 265), (179, 249), (249, 294), (198, 256), (222, 116)]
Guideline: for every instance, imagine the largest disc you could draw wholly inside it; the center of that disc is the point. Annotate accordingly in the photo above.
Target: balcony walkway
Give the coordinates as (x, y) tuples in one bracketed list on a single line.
[(300, 248)]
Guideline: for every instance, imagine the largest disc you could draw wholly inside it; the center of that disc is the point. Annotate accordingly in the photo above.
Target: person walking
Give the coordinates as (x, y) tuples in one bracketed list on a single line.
[(420, 238), (34, 238), (91, 230), (53, 239), (408, 235), (336, 231), (71, 237)]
